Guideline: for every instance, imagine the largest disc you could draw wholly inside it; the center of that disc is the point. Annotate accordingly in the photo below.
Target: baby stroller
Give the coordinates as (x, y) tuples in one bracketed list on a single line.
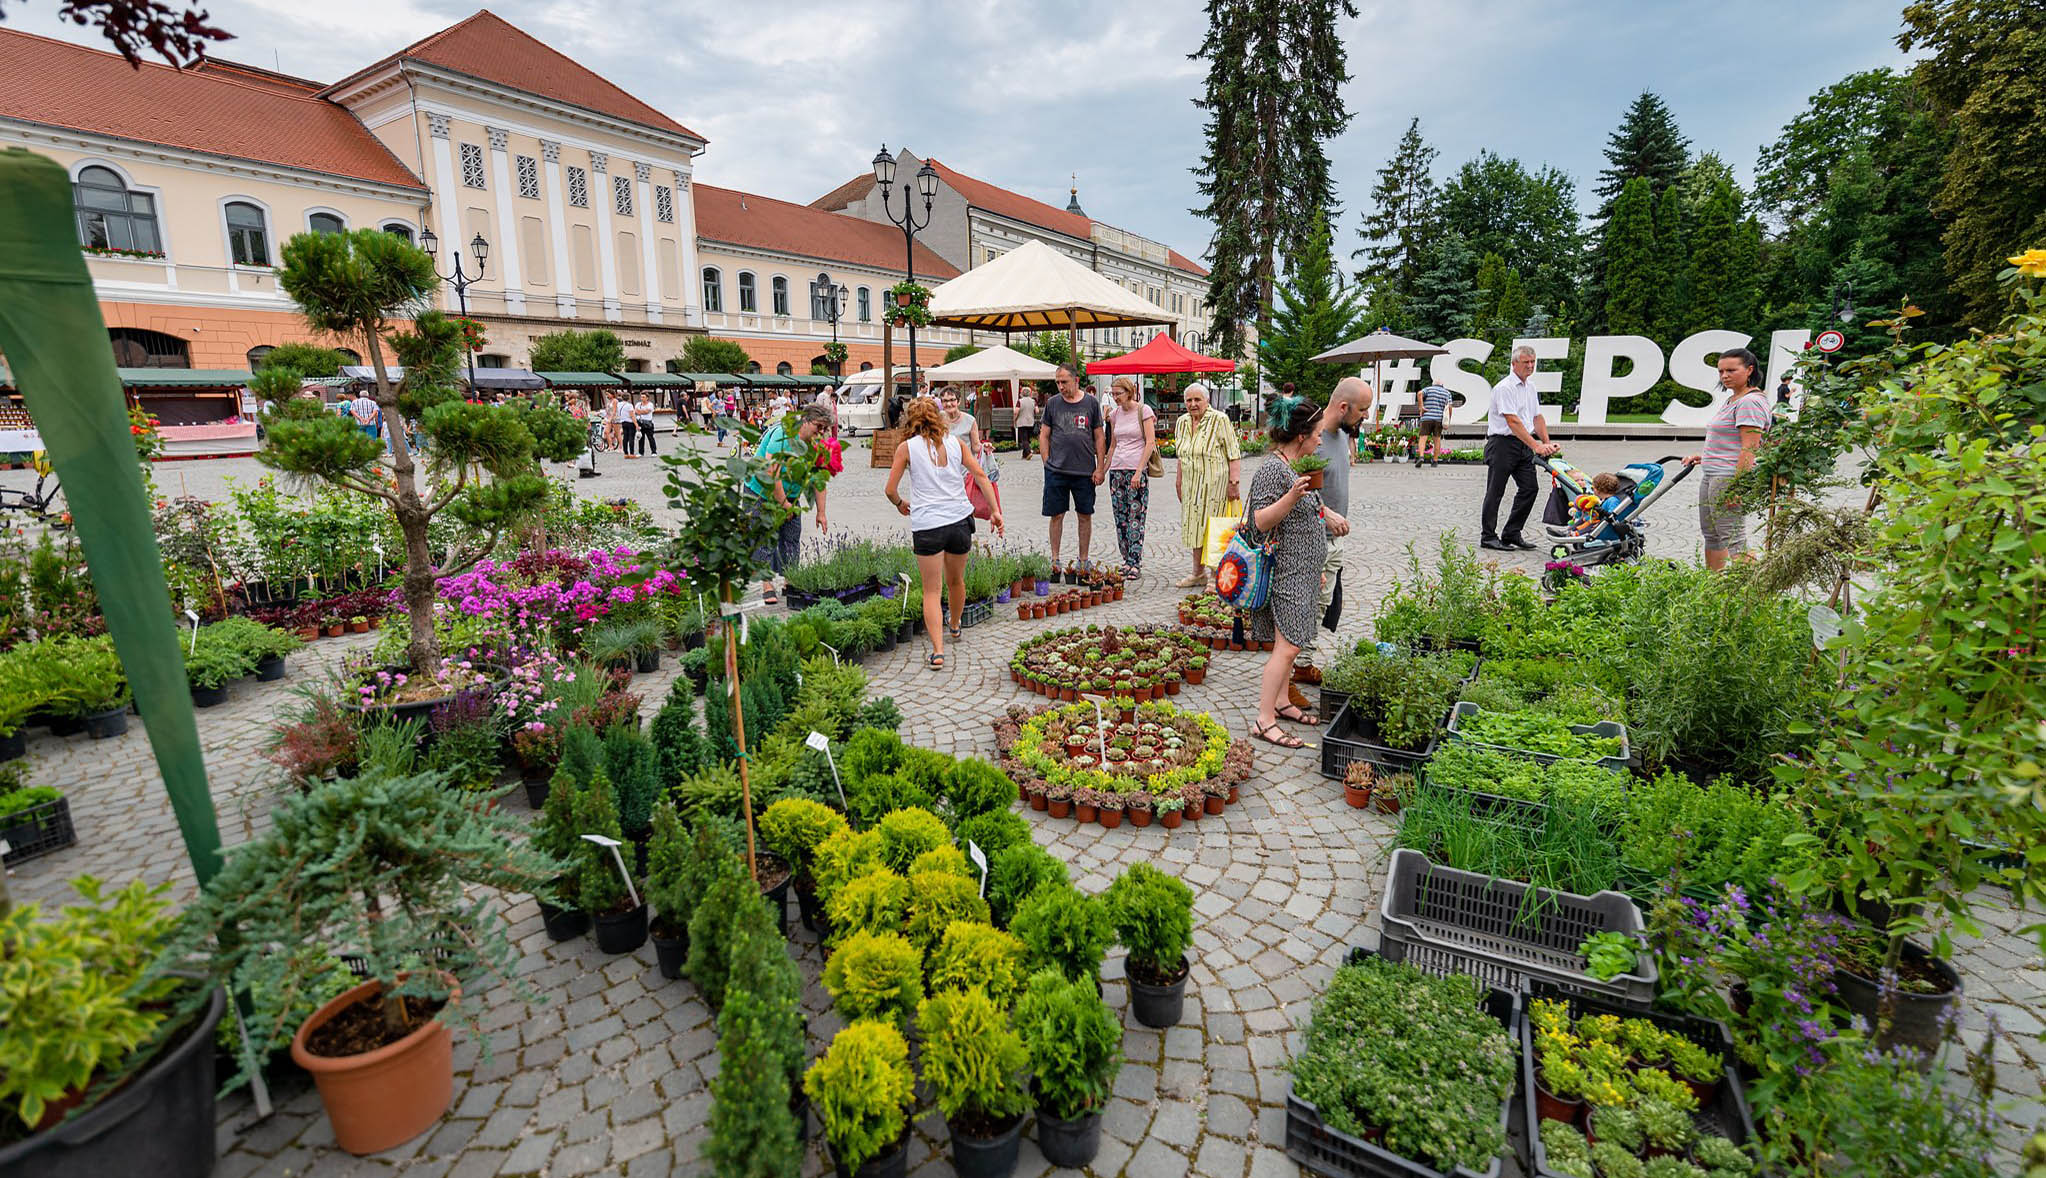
[(1591, 531)]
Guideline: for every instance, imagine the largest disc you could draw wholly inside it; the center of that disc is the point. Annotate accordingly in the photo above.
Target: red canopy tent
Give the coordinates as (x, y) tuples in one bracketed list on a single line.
[(1162, 355)]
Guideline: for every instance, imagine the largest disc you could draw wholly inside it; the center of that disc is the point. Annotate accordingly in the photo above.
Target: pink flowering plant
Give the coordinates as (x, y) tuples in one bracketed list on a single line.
[(385, 686), (547, 599)]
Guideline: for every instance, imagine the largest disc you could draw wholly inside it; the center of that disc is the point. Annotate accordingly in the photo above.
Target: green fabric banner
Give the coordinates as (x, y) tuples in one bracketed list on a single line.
[(56, 344)]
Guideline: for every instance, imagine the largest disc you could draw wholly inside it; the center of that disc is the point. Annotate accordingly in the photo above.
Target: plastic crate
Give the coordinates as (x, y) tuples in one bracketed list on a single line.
[(1332, 702), (1319, 1149), (37, 830), (1619, 764), (1515, 812), (1727, 1115), (975, 613), (1448, 921), (1350, 737)]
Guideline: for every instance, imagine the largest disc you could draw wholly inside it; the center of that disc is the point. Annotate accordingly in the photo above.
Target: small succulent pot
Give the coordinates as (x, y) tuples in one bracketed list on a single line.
[(1085, 813)]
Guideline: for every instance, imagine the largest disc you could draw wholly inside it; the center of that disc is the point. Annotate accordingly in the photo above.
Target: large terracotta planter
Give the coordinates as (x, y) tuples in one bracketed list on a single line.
[(385, 1097)]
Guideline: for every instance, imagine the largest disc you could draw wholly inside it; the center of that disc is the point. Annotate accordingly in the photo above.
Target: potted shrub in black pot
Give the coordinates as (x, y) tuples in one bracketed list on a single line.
[(793, 828), (759, 1116), (555, 836), (208, 667), (1075, 1046), (93, 693), (109, 1064), (34, 820), (862, 1091), (974, 1062), (265, 646), (1153, 914), (602, 887), (407, 871)]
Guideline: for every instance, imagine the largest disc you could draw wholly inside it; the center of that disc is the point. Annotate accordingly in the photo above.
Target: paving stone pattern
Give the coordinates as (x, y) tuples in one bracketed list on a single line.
[(610, 1074)]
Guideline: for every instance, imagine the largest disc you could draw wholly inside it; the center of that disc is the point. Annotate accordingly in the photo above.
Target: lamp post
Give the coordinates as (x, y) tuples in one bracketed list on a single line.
[(926, 187), (834, 304), (480, 250)]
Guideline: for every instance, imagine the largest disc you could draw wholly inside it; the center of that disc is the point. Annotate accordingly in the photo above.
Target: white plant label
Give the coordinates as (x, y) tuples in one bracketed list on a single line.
[(818, 741), (979, 858), (612, 845), (1825, 623), (195, 631)]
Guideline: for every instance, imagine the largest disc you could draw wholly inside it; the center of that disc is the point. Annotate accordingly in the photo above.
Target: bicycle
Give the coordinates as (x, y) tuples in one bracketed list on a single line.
[(40, 502)]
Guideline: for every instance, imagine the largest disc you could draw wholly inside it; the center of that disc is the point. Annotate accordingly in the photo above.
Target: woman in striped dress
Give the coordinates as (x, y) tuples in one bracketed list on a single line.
[(1205, 477)]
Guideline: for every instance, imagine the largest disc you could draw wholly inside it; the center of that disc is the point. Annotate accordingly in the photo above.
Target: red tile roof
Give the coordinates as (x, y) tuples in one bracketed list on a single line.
[(1182, 262), (854, 189), (58, 84), (759, 222), (256, 75), (490, 48)]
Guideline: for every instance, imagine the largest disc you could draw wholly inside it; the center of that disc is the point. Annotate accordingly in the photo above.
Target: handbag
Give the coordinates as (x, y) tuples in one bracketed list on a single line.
[(1243, 577), (1153, 469), (982, 508)]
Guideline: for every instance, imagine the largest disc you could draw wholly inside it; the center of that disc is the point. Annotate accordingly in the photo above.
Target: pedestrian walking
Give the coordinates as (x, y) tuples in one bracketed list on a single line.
[(1297, 526), (1206, 475), (1075, 459), (958, 422), (625, 425), (775, 484), (1435, 407), (1026, 417), (938, 463), (366, 412), (643, 411), (1132, 428), (1732, 439), (1514, 437)]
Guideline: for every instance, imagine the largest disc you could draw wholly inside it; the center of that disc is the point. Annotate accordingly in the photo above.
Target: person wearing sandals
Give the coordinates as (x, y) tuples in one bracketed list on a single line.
[(775, 483), (1132, 437), (1283, 512), (938, 463)]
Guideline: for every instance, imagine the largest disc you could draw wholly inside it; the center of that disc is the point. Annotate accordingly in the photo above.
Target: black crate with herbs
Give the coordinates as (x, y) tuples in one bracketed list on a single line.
[(1541, 738), (34, 820), (1605, 1089), (1497, 814), (1404, 1075), (1395, 708)]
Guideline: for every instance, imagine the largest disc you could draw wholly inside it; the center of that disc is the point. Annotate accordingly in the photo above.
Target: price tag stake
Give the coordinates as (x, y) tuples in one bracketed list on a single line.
[(612, 845), (979, 858), (817, 740)]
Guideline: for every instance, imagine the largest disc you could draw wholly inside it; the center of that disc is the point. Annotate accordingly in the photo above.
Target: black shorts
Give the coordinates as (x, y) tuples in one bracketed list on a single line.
[(953, 539), (1062, 489)]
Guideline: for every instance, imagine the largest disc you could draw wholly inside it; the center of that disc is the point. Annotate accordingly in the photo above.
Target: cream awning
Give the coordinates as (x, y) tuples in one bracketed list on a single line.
[(998, 363), (1035, 288)]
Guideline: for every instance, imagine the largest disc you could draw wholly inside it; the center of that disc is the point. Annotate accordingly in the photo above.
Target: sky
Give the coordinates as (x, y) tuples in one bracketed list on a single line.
[(795, 96)]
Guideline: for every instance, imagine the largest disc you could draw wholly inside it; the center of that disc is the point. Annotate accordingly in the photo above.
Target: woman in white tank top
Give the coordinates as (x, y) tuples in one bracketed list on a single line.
[(940, 514)]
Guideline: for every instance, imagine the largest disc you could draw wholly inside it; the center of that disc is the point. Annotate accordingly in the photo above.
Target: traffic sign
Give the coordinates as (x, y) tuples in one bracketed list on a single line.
[(1830, 341)]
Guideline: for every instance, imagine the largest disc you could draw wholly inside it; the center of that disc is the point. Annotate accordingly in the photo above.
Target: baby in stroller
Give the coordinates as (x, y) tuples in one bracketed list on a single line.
[(1601, 519)]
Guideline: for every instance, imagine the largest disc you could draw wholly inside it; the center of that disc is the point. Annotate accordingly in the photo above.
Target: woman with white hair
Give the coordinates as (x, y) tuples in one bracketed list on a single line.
[(1205, 477)]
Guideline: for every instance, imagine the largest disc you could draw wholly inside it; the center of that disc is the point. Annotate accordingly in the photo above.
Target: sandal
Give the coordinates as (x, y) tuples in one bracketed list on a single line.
[(1273, 734), (1298, 716), (953, 631), (935, 661), (767, 597)]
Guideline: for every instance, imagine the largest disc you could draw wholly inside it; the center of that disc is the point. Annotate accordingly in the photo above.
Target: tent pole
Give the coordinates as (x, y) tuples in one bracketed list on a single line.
[(1073, 334)]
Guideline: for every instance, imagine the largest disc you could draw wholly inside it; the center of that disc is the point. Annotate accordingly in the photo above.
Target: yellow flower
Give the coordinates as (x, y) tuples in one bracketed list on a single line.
[(2031, 263)]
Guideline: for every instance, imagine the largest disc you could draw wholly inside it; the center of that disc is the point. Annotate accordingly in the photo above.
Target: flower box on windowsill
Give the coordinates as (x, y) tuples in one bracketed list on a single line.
[(123, 255)]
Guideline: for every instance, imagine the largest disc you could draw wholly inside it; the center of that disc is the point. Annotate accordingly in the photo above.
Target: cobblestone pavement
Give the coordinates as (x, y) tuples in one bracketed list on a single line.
[(609, 1076)]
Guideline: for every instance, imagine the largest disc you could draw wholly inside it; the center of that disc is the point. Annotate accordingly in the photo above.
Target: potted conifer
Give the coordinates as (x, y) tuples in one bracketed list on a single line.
[(974, 1061), (1075, 1047), (1153, 915), (862, 1090)]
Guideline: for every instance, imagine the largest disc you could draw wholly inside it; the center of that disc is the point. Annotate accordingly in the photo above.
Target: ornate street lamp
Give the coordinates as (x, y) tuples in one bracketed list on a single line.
[(926, 187), (834, 295), (478, 249)]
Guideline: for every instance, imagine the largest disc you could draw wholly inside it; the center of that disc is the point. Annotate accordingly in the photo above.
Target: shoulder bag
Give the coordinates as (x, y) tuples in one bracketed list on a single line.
[(1243, 577)]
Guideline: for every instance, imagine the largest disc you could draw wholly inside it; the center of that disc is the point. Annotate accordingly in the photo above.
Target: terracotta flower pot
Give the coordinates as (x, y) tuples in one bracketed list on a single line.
[(1550, 1107), (1195, 676), (335, 630), (361, 627), (1085, 813), (1172, 687), (1037, 802), (386, 1097), (1109, 819), (1140, 817), (1022, 613), (1171, 819), (1118, 593), (1233, 795), (1022, 792), (1314, 478), (1386, 803), (1213, 804), (1060, 809), (1356, 796), (308, 633)]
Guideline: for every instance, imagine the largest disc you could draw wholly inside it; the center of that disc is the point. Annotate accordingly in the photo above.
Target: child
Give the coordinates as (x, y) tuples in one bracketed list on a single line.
[(1604, 500)]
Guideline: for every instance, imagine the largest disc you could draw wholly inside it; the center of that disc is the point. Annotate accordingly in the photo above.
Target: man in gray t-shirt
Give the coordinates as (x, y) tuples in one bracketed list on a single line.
[(1344, 417), (1075, 458)]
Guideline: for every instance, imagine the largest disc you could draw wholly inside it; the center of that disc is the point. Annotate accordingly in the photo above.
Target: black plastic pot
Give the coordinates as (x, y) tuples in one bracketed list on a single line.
[(206, 697), (160, 1123), (671, 952), (904, 630), (648, 661), (777, 898), (799, 1108), (110, 723), (622, 932), (1070, 1144), (270, 668), (808, 910), (1914, 1018), (66, 725), (1159, 1006), (887, 642), (13, 745), (564, 924), (536, 791), (889, 1163), (987, 1157)]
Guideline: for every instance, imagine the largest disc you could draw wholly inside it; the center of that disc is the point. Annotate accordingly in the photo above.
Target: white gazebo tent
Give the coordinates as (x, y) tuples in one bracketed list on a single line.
[(1036, 288), (996, 363)]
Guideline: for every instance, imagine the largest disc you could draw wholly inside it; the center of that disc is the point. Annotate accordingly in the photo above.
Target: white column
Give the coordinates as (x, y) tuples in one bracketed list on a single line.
[(642, 174), (607, 247), (445, 187), (557, 231), (507, 250), (691, 294)]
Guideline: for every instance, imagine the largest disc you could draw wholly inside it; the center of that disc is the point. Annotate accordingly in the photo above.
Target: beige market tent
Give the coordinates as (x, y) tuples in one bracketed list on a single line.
[(1035, 288)]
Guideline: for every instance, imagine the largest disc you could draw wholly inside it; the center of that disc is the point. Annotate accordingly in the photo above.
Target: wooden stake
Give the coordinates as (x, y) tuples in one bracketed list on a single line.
[(739, 733)]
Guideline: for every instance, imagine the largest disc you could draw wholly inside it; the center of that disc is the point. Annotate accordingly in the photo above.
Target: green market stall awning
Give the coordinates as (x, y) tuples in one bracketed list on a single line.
[(726, 379), (183, 378), (771, 380), (659, 380), (580, 379), (811, 380)]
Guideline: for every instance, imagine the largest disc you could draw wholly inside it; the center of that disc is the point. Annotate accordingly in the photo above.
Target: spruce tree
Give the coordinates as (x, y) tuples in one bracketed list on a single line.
[(1315, 312), (1502, 302), (1276, 69), (1670, 311), (1713, 286), (1448, 294), (1633, 271), (1401, 217), (1646, 143)]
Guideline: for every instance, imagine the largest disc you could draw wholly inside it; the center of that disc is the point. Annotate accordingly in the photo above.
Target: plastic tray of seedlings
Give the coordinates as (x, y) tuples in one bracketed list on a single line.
[(1351, 736), (37, 830), (1319, 1149), (1606, 728), (1505, 933), (1723, 1103)]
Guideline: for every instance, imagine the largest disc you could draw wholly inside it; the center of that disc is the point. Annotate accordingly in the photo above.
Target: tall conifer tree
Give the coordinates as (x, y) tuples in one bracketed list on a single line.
[(1670, 310), (1646, 145), (1714, 285), (1274, 98), (1315, 312), (1633, 270), (1402, 215)]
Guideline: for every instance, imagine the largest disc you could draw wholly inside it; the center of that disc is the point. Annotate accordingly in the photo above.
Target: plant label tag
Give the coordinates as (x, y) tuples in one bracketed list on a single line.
[(979, 858), (602, 840), (5, 847), (1825, 623), (818, 741), (613, 845), (195, 632)]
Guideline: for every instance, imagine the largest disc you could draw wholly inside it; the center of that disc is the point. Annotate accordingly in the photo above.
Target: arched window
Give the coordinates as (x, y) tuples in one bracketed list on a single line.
[(110, 216), (324, 223), (752, 365), (866, 306), (138, 347), (866, 365), (749, 295), (781, 295), (713, 289), (350, 355), (248, 237), (398, 229), (257, 353), (784, 369)]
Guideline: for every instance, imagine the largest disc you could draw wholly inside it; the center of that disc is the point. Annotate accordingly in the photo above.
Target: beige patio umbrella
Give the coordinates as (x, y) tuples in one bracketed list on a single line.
[(1375, 349), (1036, 288)]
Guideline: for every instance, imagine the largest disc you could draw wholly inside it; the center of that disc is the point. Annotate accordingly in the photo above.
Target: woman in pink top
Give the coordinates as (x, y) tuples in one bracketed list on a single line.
[(1731, 441), (1132, 436)]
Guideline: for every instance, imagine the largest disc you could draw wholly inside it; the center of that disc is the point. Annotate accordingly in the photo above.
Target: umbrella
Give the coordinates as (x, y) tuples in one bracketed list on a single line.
[(1375, 349)]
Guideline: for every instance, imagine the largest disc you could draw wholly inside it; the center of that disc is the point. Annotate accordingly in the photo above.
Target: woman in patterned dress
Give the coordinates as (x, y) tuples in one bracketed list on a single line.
[(1205, 477), (1292, 518)]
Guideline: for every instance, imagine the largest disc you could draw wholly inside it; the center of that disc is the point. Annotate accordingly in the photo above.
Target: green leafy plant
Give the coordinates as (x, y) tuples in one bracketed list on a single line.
[(1614, 1160), (1664, 1126), (862, 1091), (731, 910), (1064, 929), (753, 1133), (1018, 871), (1619, 1125), (1308, 464), (971, 954), (1569, 1153), (844, 857), (599, 887), (974, 787), (211, 665), (1153, 916), (973, 1059), (993, 832), (1608, 954), (875, 976), (1075, 1044)]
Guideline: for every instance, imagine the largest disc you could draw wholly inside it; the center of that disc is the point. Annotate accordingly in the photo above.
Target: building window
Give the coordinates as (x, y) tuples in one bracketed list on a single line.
[(866, 366), (785, 369), (821, 294), (664, 204), (529, 177), (866, 305), (621, 195), (713, 289), (472, 166), (752, 365), (781, 295), (248, 240), (138, 347), (578, 187), (324, 223), (749, 297), (111, 217), (398, 229)]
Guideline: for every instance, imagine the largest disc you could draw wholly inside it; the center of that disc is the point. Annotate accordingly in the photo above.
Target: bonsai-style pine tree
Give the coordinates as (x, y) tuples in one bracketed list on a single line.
[(484, 463)]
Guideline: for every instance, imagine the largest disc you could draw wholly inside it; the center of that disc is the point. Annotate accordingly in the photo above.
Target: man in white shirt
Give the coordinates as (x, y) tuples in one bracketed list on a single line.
[(1510, 452)]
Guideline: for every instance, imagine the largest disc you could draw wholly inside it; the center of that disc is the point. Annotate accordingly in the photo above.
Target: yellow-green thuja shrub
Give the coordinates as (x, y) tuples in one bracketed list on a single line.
[(981, 955), (876, 902), (936, 900), (905, 834), (863, 1090), (875, 976), (973, 1059), (844, 857)]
